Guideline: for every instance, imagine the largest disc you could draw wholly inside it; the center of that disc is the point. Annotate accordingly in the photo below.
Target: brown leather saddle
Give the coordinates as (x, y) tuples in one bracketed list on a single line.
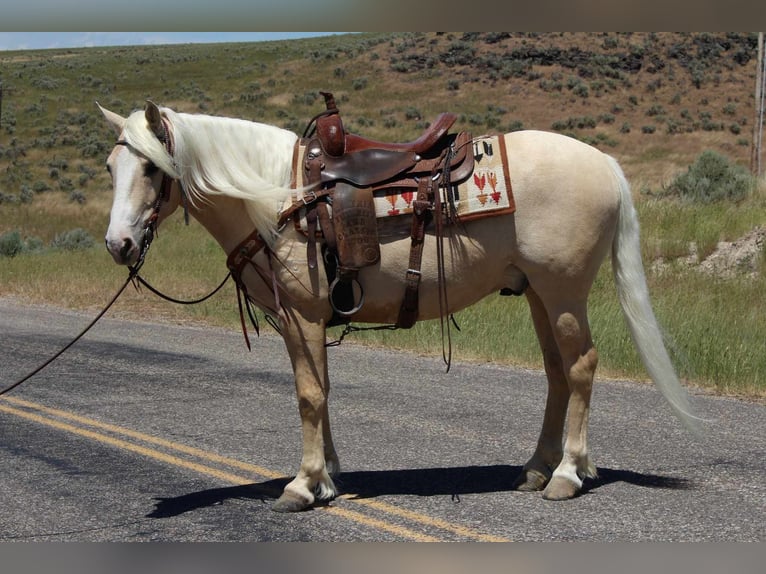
[(347, 170)]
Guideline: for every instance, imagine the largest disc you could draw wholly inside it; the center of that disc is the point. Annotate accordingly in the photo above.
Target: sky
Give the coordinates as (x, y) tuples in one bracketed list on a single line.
[(268, 15), (45, 40)]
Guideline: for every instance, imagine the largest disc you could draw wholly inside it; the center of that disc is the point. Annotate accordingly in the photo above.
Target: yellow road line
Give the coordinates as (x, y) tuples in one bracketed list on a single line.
[(102, 438), (423, 519), (233, 478), (382, 524), (234, 463), (202, 469)]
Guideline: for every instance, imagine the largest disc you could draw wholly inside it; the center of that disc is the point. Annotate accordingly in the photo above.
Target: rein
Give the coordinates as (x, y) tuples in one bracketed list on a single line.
[(149, 233), (9, 388), (133, 277), (138, 279)]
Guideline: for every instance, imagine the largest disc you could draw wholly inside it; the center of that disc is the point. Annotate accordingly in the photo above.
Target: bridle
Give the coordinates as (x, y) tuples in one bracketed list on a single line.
[(236, 262), (150, 229)]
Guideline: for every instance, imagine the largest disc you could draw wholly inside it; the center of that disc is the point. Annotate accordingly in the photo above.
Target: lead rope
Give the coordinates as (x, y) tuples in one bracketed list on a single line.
[(147, 239), (136, 279), (130, 278)]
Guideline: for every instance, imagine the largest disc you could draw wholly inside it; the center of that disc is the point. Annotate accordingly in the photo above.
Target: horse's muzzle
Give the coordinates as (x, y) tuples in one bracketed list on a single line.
[(123, 250)]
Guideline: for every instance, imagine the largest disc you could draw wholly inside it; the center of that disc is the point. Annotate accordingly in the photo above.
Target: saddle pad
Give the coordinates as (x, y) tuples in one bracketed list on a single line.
[(486, 192)]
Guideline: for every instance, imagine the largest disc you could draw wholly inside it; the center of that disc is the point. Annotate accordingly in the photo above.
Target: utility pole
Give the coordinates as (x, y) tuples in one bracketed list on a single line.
[(755, 158)]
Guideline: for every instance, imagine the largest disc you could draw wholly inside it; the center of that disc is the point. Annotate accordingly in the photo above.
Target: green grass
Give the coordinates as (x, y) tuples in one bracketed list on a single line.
[(715, 328), (670, 226)]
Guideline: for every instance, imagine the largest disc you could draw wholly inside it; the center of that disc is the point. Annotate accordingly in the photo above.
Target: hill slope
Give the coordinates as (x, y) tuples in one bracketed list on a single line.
[(654, 100)]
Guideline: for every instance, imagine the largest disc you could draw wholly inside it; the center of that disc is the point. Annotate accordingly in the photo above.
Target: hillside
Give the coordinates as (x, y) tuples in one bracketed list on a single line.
[(654, 100)]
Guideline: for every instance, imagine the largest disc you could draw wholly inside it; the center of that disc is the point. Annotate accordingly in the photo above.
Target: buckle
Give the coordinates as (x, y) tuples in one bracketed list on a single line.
[(310, 197)]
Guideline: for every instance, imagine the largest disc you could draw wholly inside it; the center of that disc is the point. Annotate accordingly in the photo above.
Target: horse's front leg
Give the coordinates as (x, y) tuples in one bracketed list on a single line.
[(305, 342)]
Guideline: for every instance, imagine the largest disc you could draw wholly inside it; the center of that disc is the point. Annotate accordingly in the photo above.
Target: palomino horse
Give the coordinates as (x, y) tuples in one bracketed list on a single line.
[(573, 206)]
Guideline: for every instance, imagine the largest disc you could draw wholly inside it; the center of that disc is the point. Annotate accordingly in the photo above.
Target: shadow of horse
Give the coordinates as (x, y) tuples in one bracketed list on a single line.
[(420, 482)]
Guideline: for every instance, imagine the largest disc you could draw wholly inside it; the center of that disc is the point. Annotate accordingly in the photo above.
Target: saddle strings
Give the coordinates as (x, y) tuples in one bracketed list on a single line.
[(441, 281)]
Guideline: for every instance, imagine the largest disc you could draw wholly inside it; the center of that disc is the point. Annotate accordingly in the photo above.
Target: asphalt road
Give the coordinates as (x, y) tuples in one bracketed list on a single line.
[(157, 432)]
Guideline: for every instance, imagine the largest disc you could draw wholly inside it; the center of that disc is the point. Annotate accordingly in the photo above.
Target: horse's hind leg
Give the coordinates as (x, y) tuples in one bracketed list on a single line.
[(570, 362), (537, 471), (579, 360)]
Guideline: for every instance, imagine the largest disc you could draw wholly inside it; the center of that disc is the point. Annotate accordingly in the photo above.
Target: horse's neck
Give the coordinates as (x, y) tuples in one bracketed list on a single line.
[(225, 218)]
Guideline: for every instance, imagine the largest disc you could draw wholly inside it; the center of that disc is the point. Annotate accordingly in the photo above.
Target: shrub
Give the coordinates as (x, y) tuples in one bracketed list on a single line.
[(11, 244), (574, 122), (551, 85), (77, 196), (66, 184), (26, 195), (712, 178), (73, 240), (40, 187), (364, 122), (47, 83), (33, 244), (306, 99), (580, 90), (460, 54), (413, 114)]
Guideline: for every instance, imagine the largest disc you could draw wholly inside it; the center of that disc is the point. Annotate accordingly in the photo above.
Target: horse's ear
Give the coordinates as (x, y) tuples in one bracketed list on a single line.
[(115, 120), (154, 119)]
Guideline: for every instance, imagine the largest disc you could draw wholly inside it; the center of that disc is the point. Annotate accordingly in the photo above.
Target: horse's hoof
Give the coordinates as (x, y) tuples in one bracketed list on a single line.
[(560, 488), (290, 502), (530, 480)]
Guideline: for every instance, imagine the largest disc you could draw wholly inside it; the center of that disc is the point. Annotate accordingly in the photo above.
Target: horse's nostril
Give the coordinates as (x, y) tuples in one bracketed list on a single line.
[(127, 245)]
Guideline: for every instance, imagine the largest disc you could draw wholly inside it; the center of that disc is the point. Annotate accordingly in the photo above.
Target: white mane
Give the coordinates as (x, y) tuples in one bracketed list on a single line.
[(217, 155)]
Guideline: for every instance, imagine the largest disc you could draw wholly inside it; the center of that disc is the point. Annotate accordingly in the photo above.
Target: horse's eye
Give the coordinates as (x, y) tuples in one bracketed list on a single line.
[(150, 170)]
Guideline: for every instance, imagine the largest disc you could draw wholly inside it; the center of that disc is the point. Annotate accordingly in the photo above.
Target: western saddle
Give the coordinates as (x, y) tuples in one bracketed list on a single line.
[(341, 173), (345, 170)]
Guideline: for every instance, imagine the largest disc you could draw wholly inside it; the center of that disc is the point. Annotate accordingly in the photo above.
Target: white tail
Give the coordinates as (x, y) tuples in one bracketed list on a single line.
[(633, 293)]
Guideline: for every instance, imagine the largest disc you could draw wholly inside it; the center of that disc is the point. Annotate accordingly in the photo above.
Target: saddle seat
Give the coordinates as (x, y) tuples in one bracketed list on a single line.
[(363, 162), (425, 142)]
